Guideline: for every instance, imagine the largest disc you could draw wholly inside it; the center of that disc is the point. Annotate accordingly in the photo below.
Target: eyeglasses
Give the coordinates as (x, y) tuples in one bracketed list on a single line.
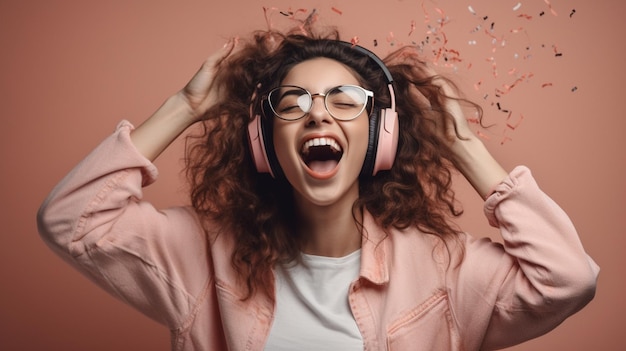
[(344, 102)]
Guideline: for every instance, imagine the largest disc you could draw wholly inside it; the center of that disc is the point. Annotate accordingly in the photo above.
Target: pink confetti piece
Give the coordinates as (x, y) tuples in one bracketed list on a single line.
[(523, 15), (336, 10), (354, 40), (292, 14), (483, 135), (267, 16), (544, 85), (550, 7), (412, 27), (478, 84), (514, 124), (426, 15), (505, 139)]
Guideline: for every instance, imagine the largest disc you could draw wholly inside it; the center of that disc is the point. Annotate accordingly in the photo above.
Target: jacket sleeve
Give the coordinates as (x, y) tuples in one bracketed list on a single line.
[(95, 219), (536, 279)]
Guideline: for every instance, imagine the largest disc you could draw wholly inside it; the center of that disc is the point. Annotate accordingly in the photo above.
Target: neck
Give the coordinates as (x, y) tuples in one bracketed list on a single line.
[(330, 230)]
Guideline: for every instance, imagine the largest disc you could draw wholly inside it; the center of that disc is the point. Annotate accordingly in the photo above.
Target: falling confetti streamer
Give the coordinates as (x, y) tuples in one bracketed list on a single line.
[(513, 124), (508, 41), (412, 27)]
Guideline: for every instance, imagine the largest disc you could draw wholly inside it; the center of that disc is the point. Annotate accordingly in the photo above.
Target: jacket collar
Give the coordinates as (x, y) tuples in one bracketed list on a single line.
[(374, 251)]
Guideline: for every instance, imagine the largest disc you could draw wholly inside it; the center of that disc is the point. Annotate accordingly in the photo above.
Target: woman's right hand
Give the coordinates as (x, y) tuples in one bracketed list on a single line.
[(182, 109), (200, 94)]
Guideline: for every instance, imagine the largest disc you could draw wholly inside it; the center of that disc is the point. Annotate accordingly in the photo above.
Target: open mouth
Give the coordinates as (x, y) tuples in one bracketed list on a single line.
[(321, 155)]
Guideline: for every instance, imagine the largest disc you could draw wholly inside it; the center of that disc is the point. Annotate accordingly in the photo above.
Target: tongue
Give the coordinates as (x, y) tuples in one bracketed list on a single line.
[(322, 166)]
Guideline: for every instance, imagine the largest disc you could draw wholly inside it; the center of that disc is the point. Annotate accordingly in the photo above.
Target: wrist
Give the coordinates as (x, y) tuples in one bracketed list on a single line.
[(478, 166)]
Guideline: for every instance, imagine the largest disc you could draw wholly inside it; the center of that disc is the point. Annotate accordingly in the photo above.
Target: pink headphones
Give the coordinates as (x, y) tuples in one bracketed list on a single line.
[(382, 138)]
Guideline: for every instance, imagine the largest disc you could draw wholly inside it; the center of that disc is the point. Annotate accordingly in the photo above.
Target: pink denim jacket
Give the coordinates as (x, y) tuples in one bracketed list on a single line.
[(413, 293)]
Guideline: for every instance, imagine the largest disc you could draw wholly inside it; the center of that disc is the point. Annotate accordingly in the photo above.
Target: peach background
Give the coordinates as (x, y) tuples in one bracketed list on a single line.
[(70, 70)]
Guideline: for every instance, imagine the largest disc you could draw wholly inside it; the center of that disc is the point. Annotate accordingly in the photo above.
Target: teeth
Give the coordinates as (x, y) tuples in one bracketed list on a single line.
[(321, 142)]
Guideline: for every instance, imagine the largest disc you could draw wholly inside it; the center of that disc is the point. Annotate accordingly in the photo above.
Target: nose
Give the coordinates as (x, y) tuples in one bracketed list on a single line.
[(318, 113)]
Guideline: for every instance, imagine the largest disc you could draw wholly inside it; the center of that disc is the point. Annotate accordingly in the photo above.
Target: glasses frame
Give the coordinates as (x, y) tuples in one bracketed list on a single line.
[(368, 94)]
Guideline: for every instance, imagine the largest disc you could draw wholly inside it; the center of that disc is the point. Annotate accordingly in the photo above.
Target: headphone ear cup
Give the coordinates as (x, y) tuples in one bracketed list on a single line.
[(388, 131), (261, 144), (382, 142), (257, 145)]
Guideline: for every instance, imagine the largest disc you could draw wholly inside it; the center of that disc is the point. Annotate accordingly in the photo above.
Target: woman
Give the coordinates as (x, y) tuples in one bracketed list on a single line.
[(321, 212)]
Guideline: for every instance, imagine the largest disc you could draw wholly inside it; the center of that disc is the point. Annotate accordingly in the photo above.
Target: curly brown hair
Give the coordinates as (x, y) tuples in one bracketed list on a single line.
[(257, 209)]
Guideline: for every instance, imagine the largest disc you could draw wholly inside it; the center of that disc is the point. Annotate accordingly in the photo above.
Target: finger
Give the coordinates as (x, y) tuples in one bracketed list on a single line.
[(218, 56)]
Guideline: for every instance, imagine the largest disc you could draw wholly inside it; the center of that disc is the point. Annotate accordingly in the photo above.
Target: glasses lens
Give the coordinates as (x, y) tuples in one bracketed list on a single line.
[(290, 102), (346, 102)]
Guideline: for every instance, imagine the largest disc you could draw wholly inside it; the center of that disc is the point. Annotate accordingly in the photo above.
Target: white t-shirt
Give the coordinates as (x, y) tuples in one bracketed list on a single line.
[(312, 310)]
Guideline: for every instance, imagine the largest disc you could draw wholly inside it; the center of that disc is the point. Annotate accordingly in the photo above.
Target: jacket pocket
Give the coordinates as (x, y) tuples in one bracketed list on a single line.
[(428, 326)]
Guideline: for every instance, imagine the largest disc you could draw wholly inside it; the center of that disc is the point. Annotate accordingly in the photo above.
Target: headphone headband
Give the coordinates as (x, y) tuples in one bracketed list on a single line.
[(373, 57)]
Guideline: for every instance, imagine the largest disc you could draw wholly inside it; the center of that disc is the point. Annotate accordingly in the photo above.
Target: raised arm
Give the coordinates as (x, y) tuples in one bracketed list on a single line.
[(96, 219), (541, 274), (182, 109), (473, 159)]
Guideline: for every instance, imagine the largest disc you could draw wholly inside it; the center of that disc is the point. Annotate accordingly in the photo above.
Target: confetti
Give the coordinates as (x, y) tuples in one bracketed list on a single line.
[(504, 41), (505, 139), (354, 40), (336, 10), (556, 51), (426, 16), (514, 124), (550, 7), (478, 84), (412, 27), (482, 135), (267, 16)]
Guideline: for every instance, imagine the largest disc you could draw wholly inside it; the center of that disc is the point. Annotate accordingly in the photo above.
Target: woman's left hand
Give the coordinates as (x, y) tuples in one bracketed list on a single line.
[(471, 156)]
